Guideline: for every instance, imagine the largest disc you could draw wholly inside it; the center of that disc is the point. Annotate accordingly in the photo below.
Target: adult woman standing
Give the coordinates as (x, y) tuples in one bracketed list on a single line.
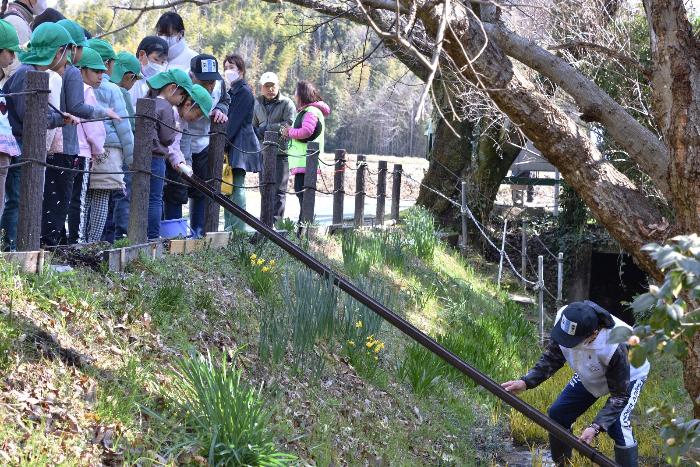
[(309, 126), (243, 147)]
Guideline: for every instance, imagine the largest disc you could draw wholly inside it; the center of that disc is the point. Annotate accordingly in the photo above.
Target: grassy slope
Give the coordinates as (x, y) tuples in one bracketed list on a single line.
[(128, 330)]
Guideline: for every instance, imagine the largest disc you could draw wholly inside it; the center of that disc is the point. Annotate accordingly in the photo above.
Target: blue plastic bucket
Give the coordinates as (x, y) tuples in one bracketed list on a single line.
[(174, 228)]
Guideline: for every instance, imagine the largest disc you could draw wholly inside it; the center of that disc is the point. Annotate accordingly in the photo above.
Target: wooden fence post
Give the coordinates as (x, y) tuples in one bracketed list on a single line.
[(396, 192), (215, 156), (309, 200), (339, 187), (360, 191), (268, 178), (381, 192), (141, 181), (31, 193)]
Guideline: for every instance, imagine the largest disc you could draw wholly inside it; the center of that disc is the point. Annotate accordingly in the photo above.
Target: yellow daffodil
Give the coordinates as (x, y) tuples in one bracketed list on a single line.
[(351, 343), (261, 262), (358, 325), (265, 269), (253, 256), (272, 262)]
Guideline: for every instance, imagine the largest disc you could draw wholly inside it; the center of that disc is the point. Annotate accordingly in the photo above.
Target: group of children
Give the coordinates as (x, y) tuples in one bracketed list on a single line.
[(91, 125), (91, 128)]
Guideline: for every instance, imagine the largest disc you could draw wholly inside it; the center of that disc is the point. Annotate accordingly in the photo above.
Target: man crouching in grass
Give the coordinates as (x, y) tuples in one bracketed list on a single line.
[(580, 338)]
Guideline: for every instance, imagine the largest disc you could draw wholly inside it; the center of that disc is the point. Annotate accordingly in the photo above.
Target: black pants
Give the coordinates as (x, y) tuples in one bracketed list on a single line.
[(58, 187), (77, 201), (299, 187), (282, 178), (174, 195)]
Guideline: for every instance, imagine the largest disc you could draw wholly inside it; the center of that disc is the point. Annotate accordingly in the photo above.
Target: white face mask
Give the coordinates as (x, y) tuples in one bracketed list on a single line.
[(231, 76), (171, 40), (39, 7), (153, 68)]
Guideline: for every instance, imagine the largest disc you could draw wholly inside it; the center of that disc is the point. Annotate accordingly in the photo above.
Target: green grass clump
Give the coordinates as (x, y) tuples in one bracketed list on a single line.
[(8, 336), (421, 232), (358, 253), (422, 369), (228, 415)]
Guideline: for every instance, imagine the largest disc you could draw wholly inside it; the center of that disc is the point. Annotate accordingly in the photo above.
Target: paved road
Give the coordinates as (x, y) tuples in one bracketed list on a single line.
[(323, 207)]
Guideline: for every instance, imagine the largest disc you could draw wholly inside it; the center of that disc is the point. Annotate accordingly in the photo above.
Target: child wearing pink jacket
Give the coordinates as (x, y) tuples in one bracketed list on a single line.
[(91, 138)]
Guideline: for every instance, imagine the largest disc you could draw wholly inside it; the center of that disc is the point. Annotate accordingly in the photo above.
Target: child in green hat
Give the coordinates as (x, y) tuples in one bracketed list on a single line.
[(9, 44), (169, 88), (91, 136), (125, 73), (48, 49), (74, 102)]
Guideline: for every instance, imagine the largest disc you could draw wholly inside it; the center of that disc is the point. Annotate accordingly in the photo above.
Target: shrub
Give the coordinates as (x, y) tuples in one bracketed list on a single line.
[(420, 229), (227, 414)]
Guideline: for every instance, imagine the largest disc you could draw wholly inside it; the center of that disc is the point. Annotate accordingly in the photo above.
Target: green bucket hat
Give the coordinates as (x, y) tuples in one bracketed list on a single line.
[(202, 98), (45, 41), (125, 63), (77, 33), (103, 48), (174, 76), (8, 37), (91, 60)]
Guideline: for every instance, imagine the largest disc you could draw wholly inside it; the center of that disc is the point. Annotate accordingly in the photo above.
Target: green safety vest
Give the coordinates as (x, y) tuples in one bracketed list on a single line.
[(297, 149)]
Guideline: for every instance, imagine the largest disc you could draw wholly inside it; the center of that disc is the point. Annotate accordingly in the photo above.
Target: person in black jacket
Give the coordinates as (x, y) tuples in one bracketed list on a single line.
[(243, 148), (580, 337)]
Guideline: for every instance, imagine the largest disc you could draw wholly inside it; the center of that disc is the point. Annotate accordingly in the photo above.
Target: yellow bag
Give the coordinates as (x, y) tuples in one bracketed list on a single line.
[(227, 178)]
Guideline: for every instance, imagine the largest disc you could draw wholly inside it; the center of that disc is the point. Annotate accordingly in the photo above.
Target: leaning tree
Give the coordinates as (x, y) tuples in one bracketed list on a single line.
[(471, 47), (467, 52)]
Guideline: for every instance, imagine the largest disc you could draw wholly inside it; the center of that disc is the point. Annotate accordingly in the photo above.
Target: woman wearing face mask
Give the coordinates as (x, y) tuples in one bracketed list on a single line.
[(243, 145), (171, 29), (580, 337)]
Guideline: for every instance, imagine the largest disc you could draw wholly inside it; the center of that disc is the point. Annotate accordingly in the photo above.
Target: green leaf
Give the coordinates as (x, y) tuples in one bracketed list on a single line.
[(638, 356), (643, 302), (619, 334)]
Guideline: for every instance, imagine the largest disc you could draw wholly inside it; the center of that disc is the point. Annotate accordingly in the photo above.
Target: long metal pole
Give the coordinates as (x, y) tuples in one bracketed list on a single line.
[(404, 326), (540, 294), (465, 225), (503, 252), (560, 280)]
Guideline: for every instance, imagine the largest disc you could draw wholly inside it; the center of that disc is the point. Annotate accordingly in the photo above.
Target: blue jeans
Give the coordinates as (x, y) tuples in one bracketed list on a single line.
[(117, 223), (155, 197), (198, 211), (575, 399), (10, 214)]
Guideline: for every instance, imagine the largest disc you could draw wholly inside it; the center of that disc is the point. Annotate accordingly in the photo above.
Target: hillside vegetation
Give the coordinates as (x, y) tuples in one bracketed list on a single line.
[(242, 357)]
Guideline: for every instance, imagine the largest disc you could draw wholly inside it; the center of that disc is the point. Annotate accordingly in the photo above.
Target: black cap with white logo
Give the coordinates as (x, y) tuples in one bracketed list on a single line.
[(204, 67), (578, 321)]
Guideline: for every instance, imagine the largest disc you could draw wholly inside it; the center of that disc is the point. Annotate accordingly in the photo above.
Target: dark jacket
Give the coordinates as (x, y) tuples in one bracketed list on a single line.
[(165, 122), (270, 114), (239, 129), (16, 105), (73, 102)]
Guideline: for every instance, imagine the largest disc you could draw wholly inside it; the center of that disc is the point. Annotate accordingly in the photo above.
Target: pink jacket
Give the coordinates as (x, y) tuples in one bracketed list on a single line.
[(308, 124), (91, 135)]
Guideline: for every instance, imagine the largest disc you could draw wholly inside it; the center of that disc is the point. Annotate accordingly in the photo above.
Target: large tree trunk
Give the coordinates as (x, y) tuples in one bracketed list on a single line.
[(450, 159)]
